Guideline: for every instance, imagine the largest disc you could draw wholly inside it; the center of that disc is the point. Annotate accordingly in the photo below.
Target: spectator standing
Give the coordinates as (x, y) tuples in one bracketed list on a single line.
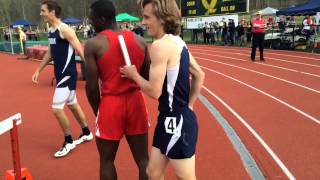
[(240, 32), (22, 37), (232, 29), (249, 33), (282, 25), (205, 30), (212, 33), (224, 35), (258, 32)]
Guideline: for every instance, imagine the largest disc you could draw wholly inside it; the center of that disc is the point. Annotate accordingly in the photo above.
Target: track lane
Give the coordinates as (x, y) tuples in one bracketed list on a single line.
[(275, 89), (302, 67), (40, 135), (304, 82), (310, 57), (270, 119), (307, 80)]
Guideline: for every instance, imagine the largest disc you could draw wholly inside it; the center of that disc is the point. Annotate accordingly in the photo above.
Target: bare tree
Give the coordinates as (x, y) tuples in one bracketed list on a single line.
[(11, 10), (5, 11)]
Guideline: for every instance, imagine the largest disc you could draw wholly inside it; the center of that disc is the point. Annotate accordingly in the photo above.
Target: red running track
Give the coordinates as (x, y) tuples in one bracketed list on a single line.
[(40, 135), (278, 99), (281, 105)]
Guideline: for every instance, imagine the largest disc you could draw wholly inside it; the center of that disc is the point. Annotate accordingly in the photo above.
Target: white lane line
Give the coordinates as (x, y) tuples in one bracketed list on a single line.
[(266, 51), (246, 158), (268, 75), (256, 135), (293, 62), (269, 95), (263, 64), (301, 57)]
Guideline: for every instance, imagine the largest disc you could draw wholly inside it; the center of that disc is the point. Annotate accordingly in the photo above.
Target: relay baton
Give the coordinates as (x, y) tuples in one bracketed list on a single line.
[(124, 50)]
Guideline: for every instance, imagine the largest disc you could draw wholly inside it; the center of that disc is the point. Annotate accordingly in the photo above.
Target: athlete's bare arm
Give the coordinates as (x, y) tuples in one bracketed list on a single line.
[(69, 34), (196, 81), (91, 70), (159, 55), (144, 72), (45, 61)]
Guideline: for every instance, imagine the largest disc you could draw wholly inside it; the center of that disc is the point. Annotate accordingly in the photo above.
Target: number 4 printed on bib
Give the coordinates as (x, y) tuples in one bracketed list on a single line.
[(171, 124)]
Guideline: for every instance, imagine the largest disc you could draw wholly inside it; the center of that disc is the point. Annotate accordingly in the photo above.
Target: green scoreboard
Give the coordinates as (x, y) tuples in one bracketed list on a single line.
[(212, 7)]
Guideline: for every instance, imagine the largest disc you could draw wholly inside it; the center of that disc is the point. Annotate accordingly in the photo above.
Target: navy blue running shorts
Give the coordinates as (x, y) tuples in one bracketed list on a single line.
[(176, 134)]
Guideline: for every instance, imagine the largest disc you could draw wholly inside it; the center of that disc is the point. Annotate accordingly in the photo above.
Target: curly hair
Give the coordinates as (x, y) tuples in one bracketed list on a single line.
[(168, 12)]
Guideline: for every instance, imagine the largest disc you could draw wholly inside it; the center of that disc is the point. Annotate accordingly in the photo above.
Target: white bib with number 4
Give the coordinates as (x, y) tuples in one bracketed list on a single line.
[(171, 125)]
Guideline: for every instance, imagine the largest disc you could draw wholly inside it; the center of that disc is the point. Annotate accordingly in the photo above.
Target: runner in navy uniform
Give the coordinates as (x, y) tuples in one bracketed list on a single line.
[(62, 45), (177, 129), (172, 64)]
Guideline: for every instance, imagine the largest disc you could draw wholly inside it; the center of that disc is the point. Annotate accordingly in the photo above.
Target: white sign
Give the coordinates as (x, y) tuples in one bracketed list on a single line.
[(198, 22)]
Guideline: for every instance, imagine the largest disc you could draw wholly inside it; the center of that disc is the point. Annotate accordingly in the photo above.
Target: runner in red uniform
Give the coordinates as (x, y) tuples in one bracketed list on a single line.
[(122, 108), (117, 102)]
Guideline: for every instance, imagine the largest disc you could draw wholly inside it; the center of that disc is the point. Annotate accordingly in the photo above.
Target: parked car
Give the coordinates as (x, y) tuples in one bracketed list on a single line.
[(285, 40)]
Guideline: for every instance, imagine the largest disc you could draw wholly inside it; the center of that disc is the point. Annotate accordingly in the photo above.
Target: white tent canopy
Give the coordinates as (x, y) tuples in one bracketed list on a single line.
[(268, 11)]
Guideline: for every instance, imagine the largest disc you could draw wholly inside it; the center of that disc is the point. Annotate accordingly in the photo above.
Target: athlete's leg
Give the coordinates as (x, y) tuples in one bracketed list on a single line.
[(107, 152), (86, 135), (78, 114), (157, 164), (184, 168), (63, 120), (60, 97), (68, 144), (136, 130), (139, 148), (75, 108)]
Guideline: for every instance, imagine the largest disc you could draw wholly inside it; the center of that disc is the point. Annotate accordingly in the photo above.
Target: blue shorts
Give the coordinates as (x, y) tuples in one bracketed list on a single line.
[(176, 134), (69, 81)]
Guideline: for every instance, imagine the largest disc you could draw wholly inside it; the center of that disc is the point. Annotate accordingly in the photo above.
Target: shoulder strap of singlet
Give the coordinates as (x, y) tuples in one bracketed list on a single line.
[(109, 34), (113, 37), (60, 25)]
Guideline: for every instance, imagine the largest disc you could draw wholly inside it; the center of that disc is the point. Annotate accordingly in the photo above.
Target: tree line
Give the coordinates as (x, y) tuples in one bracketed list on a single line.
[(11, 10)]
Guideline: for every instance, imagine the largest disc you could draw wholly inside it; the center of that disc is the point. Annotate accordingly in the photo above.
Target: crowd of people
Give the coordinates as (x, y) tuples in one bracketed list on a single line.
[(224, 33)]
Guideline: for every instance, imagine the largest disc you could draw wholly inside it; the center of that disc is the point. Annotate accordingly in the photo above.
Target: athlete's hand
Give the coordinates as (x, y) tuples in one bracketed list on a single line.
[(35, 77), (129, 71), (190, 107)]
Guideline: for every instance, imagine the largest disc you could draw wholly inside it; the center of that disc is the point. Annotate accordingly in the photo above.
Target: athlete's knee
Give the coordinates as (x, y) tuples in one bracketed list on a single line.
[(142, 163), (107, 169), (72, 107), (108, 162), (186, 176), (154, 173), (57, 111)]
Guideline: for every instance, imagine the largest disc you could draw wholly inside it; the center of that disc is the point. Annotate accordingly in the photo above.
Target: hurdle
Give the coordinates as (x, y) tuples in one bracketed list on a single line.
[(11, 124)]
